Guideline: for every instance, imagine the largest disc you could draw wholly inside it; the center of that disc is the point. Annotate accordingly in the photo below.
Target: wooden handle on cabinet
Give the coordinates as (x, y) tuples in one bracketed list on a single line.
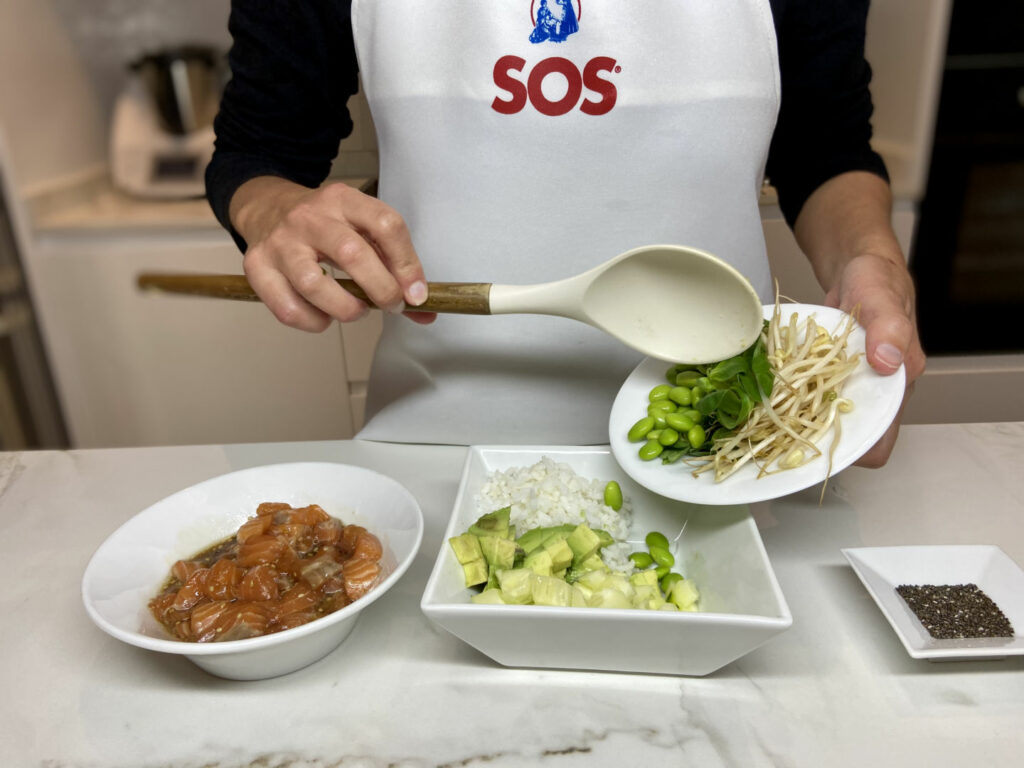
[(448, 298)]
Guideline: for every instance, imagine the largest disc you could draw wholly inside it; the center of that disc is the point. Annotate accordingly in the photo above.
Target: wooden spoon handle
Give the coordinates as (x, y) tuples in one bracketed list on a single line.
[(450, 298)]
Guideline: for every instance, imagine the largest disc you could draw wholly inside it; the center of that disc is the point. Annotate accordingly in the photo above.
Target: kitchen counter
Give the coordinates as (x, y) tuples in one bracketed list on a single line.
[(95, 205), (837, 689)]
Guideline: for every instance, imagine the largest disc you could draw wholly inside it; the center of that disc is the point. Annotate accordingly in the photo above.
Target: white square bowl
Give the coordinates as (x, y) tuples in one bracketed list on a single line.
[(882, 569), (718, 547)]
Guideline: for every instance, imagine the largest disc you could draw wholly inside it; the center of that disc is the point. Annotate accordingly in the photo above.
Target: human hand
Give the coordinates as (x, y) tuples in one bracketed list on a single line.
[(883, 289), (291, 230)]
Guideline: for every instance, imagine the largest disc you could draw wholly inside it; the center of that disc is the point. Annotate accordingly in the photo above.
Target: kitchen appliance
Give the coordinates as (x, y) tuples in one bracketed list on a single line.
[(162, 129), (968, 255)]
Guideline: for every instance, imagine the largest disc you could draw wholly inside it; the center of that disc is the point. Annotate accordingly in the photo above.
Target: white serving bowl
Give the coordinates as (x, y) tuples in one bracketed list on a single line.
[(130, 567), (718, 547)]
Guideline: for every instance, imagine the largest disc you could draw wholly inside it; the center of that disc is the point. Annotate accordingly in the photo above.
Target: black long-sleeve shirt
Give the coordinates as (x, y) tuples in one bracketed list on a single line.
[(294, 67)]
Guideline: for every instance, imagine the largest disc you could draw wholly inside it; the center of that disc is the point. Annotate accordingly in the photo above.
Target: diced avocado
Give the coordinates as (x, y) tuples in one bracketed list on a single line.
[(547, 590), (646, 578), (501, 553), (593, 563), (494, 523), (539, 561), (557, 533), (561, 554), (531, 539), (475, 571), (515, 585), (606, 538), (536, 537), (685, 595), (488, 597), (466, 548), (583, 542)]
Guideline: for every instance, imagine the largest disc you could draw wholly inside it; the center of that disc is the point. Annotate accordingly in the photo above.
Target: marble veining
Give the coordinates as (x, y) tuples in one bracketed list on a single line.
[(836, 690)]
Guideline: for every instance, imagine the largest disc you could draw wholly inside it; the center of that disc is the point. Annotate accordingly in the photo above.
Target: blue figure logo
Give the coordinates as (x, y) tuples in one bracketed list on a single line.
[(556, 20)]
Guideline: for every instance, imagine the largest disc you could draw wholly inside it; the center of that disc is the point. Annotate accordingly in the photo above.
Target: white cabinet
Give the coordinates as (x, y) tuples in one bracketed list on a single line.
[(137, 368)]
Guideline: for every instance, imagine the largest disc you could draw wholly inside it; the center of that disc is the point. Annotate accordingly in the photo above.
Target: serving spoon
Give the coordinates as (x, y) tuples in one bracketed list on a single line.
[(670, 302)]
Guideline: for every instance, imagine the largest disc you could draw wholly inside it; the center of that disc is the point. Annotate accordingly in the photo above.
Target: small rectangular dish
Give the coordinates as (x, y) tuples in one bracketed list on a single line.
[(741, 604), (882, 569)]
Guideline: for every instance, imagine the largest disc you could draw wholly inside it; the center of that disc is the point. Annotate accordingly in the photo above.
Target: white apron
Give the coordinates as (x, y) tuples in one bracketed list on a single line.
[(525, 141)]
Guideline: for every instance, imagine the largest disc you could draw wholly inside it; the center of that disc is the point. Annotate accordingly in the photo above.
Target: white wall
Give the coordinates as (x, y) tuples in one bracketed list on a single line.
[(48, 108)]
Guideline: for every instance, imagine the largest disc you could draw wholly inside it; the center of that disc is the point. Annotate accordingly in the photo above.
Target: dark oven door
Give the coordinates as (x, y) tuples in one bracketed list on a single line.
[(968, 257)]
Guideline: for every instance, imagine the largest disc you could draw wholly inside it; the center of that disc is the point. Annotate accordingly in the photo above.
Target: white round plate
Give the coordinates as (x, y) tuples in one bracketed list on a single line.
[(876, 401)]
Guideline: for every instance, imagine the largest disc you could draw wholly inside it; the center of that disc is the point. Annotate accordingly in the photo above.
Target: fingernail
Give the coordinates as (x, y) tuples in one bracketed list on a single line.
[(417, 293), (889, 355)]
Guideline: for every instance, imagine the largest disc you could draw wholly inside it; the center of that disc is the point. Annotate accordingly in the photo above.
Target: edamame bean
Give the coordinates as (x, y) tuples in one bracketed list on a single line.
[(668, 435), (613, 495), (696, 416), (696, 394), (639, 430), (661, 406), (654, 434), (662, 556), (669, 581), (679, 422), (687, 378), (659, 419), (642, 560), (696, 436), (662, 571), (675, 370), (660, 392), (656, 539), (680, 395), (651, 450)]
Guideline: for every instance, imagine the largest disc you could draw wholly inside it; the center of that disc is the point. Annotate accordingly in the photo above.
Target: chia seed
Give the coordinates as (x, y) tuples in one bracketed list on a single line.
[(955, 611)]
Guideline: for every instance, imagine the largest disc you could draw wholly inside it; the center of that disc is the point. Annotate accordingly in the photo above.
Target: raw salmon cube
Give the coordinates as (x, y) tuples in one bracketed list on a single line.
[(360, 577), (260, 550), (259, 583), (310, 515)]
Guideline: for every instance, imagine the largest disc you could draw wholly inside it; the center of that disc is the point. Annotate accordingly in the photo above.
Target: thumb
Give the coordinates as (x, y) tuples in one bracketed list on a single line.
[(889, 335)]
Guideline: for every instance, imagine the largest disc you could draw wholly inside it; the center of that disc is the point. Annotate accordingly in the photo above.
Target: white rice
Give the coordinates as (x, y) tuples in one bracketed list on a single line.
[(551, 493)]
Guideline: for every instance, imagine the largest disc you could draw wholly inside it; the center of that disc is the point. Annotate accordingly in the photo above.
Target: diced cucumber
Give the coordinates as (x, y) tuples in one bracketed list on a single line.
[(579, 597), (488, 597), (609, 598), (648, 578), (684, 594), (515, 585), (547, 590)]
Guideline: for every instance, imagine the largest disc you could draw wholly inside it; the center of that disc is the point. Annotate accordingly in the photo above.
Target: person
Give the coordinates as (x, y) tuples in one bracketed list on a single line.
[(524, 141)]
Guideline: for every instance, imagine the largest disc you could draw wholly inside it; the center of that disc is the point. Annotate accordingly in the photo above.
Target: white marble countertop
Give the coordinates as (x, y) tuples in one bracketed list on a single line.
[(837, 689)]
